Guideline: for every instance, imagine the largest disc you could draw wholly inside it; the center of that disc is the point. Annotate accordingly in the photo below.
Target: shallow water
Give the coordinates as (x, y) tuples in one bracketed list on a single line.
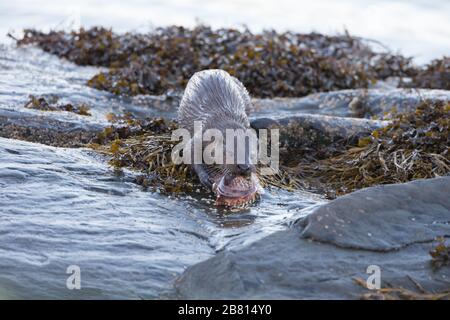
[(29, 71), (61, 207)]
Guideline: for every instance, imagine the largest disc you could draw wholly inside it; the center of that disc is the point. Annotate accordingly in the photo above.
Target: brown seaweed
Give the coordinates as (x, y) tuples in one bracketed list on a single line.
[(398, 293), (414, 146), (145, 146), (436, 75), (440, 254), (51, 104), (269, 63)]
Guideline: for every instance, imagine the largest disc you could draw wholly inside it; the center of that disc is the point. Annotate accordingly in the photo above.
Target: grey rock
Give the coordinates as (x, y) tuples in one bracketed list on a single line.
[(324, 129), (360, 103), (385, 217), (390, 226), (45, 129)]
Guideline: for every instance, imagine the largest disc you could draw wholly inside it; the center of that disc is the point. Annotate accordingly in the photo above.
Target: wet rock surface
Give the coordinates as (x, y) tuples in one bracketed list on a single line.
[(354, 103), (320, 135), (383, 218), (46, 130), (320, 257), (66, 206)]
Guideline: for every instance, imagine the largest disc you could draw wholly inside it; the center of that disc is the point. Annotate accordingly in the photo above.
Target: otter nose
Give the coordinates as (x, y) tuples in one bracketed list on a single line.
[(244, 168)]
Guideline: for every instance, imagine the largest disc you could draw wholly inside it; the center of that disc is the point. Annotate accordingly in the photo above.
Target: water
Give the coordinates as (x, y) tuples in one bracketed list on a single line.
[(29, 71), (61, 207), (418, 28)]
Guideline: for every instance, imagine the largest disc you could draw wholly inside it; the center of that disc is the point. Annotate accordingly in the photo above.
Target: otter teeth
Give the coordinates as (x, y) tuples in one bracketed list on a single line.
[(237, 203)]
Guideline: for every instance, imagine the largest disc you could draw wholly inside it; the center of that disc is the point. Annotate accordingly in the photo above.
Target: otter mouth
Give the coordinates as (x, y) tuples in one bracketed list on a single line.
[(237, 191)]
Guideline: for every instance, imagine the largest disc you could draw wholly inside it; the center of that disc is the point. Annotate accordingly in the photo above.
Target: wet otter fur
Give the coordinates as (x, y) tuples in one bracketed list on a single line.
[(219, 101)]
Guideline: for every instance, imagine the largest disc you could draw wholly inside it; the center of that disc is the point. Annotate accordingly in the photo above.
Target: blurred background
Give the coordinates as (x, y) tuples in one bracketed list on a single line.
[(417, 28)]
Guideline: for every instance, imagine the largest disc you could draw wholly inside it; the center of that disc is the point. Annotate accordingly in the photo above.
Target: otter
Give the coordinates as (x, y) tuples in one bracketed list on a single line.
[(219, 101)]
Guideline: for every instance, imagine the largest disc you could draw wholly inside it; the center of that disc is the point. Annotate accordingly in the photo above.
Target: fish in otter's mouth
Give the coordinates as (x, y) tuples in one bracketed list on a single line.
[(219, 101), (237, 191), (234, 189)]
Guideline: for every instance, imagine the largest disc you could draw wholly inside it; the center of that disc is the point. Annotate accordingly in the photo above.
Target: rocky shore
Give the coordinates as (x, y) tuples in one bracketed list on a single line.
[(367, 130), (327, 254)]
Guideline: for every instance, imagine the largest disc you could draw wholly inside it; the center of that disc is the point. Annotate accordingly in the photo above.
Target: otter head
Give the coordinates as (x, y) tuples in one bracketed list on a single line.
[(237, 187), (235, 182)]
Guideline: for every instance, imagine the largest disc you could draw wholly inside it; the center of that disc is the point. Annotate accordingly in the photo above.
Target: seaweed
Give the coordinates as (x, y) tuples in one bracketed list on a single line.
[(414, 145), (436, 75), (440, 254), (48, 130), (58, 137), (149, 154), (125, 126), (126, 118), (268, 63), (96, 46), (145, 146), (51, 104), (399, 293)]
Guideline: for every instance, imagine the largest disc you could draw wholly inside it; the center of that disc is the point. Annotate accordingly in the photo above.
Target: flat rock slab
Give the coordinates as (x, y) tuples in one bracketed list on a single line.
[(392, 227), (300, 130), (383, 218), (360, 103), (45, 129)]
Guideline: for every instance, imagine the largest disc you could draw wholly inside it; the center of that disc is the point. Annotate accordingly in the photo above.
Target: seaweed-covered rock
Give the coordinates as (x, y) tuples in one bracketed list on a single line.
[(440, 254), (96, 46), (313, 137), (327, 254), (354, 103), (435, 76), (146, 145), (41, 103), (414, 145), (269, 64), (46, 130)]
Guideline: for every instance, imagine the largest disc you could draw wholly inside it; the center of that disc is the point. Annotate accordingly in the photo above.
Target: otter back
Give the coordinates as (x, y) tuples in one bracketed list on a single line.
[(216, 99)]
